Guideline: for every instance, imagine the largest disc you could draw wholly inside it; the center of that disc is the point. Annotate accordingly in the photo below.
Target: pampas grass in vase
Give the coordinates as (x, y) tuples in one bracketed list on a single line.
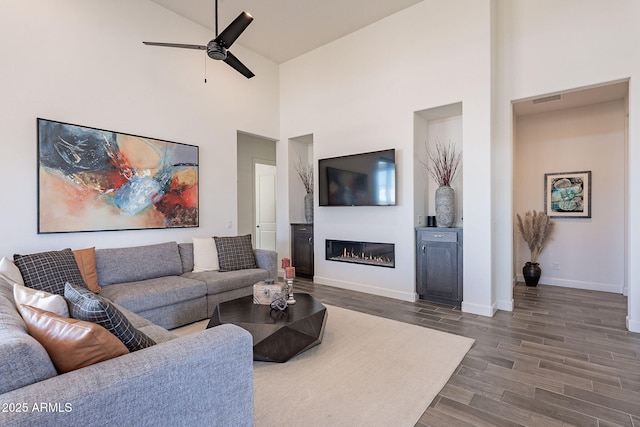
[(535, 228)]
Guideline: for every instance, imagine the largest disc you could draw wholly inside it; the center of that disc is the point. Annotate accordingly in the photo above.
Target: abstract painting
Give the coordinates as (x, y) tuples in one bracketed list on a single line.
[(97, 180), (568, 194)]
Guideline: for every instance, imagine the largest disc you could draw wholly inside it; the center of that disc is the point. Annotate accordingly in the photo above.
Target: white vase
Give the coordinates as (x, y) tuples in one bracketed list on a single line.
[(445, 206), (308, 208)]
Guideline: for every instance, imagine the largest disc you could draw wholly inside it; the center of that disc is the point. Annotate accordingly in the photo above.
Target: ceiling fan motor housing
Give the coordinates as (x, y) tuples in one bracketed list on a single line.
[(215, 51)]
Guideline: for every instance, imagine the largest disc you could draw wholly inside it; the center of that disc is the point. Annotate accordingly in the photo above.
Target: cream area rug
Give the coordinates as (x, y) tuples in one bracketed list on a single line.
[(368, 371)]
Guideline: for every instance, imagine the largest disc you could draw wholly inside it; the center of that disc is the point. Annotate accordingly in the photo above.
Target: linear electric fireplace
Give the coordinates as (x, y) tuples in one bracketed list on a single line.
[(369, 253)]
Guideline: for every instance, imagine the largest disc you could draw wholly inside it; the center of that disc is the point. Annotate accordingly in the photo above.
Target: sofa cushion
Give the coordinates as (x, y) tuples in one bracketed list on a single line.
[(121, 265), (154, 293), (49, 271), (88, 306), (205, 254), (9, 271), (72, 344), (227, 281), (24, 360), (86, 260), (235, 253), (40, 299), (158, 333), (186, 256)]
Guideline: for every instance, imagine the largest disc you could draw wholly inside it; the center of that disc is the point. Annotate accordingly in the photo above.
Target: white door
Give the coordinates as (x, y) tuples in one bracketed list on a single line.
[(265, 214)]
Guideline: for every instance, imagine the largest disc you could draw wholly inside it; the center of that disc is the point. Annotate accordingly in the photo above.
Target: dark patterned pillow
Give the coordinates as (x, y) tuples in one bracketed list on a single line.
[(235, 253), (49, 271), (90, 307)]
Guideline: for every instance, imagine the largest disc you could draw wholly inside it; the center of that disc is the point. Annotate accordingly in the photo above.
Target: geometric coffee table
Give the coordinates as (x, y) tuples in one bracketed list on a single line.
[(277, 335)]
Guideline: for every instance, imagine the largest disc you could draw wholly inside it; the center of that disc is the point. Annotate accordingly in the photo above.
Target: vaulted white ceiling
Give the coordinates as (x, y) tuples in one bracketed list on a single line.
[(284, 29)]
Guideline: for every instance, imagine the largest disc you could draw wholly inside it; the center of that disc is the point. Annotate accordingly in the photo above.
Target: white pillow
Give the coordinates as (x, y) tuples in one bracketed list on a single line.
[(205, 254), (9, 271), (40, 299)]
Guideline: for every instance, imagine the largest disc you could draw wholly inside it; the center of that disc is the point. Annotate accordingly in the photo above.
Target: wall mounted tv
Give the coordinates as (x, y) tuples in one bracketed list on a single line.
[(366, 179)]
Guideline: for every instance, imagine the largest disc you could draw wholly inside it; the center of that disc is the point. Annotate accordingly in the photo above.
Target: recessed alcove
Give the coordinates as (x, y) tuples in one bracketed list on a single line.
[(443, 124), (581, 129), (300, 152)]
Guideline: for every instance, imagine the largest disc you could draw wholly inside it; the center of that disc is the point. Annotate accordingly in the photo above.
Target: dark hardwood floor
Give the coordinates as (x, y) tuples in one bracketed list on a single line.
[(562, 357)]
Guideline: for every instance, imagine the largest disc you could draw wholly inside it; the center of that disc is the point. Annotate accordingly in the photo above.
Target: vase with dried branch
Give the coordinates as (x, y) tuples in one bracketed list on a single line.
[(535, 229), (443, 165), (305, 172)]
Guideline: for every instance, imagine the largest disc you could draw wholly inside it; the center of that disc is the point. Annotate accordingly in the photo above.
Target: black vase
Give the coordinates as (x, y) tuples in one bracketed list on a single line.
[(531, 272)]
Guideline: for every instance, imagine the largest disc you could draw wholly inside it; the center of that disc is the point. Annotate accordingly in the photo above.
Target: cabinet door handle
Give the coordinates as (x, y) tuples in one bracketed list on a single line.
[(424, 248), (311, 240), (439, 236)]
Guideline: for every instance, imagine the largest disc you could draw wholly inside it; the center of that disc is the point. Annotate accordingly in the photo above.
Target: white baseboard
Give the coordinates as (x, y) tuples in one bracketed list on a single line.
[(633, 325), (616, 288), (506, 305), (482, 310), (361, 287)]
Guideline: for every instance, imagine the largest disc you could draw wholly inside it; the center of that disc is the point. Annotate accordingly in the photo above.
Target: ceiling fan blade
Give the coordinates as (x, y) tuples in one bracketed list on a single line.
[(239, 66), (184, 46), (233, 31)]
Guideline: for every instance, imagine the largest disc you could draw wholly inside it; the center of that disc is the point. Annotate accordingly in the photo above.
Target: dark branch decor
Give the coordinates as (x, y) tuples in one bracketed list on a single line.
[(305, 172), (444, 163), (96, 180)]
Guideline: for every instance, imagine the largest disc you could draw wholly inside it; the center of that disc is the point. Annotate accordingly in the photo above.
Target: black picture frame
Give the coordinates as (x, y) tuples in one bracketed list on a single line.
[(567, 194)]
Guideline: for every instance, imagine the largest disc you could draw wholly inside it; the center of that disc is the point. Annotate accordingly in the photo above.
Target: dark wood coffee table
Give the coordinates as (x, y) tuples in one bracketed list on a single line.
[(277, 335)]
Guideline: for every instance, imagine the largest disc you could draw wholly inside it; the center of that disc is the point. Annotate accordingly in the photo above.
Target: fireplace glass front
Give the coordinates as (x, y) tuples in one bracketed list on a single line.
[(369, 253)]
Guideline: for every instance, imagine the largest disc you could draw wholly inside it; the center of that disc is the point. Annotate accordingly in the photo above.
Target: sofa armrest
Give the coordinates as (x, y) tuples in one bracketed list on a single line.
[(268, 260), (200, 379)]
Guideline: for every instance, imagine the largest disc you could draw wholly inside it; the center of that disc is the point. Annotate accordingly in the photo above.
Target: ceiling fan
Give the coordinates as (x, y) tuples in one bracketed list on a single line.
[(218, 47)]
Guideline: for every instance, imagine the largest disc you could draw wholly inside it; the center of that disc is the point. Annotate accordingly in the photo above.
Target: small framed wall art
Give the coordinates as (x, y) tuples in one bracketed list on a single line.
[(567, 194), (97, 180)]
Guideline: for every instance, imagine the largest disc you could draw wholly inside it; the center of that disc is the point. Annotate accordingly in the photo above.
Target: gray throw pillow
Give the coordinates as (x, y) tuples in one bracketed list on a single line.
[(90, 307), (235, 253), (49, 271)]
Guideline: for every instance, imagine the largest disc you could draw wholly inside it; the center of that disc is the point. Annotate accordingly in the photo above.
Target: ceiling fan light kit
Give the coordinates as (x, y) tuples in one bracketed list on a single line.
[(218, 47)]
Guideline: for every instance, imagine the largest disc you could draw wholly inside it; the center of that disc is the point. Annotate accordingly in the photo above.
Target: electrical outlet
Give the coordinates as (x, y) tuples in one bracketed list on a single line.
[(556, 266), (420, 218), (229, 224)]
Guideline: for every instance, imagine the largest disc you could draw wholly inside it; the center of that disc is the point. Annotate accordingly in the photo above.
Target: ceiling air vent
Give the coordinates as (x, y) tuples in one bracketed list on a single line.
[(546, 99)]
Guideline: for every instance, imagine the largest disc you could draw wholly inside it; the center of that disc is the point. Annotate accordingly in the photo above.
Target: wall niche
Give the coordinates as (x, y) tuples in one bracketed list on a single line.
[(444, 124)]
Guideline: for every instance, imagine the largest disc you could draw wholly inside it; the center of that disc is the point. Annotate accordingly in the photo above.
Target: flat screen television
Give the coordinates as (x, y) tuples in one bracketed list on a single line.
[(365, 179)]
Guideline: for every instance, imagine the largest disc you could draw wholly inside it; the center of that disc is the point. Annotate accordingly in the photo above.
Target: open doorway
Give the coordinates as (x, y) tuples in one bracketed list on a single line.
[(252, 151), (578, 130)]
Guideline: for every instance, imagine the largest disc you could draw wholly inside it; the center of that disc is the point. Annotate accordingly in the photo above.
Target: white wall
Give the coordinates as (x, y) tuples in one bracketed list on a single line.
[(589, 252), (84, 63), (546, 46), (435, 53)]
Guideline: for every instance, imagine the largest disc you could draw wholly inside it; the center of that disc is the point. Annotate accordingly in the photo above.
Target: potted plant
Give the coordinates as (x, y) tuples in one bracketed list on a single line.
[(535, 228), (443, 166)]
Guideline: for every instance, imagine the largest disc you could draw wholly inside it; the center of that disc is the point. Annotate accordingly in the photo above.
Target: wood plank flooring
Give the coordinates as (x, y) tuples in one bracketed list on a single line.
[(562, 357)]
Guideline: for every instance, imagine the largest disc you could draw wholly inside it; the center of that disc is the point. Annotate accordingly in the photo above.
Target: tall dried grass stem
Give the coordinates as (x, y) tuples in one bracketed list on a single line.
[(535, 228)]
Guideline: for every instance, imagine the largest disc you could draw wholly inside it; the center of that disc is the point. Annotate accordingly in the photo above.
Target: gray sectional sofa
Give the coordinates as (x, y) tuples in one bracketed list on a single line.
[(204, 378), (157, 282)]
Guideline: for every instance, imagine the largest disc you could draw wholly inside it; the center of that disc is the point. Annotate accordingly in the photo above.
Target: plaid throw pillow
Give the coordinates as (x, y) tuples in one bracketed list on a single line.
[(49, 271), (90, 307), (235, 253)]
